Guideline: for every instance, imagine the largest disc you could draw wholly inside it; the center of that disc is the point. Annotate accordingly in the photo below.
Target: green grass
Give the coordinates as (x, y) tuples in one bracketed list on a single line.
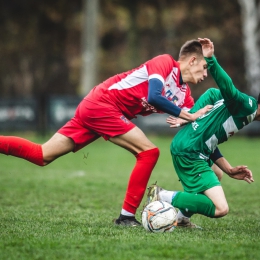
[(65, 210)]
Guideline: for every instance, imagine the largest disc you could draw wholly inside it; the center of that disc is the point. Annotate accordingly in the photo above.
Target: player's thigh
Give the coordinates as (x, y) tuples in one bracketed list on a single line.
[(109, 122), (217, 195), (134, 140), (217, 171), (80, 134), (56, 146)]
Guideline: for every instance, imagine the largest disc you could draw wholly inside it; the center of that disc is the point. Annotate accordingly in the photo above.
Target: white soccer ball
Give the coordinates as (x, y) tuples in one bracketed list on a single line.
[(159, 217)]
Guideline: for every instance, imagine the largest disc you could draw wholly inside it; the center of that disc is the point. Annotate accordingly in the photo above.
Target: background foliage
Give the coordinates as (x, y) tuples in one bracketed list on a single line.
[(40, 46)]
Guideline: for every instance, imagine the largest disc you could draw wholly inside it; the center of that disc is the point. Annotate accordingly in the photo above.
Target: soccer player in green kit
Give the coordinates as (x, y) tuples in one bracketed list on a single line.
[(195, 146)]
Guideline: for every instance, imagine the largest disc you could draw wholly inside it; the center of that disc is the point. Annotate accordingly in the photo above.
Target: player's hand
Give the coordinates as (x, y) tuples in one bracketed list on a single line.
[(241, 173), (175, 122), (202, 111), (207, 47)]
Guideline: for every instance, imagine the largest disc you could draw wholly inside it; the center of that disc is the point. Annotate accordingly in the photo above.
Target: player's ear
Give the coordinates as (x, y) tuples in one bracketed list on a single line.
[(192, 60)]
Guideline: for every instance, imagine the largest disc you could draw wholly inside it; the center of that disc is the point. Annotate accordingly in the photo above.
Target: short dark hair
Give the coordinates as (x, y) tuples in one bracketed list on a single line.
[(191, 47), (258, 100)]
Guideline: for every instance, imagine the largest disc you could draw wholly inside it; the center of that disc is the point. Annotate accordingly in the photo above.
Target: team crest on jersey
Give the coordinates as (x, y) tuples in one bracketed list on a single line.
[(174, 99), (172, 90), (195, 125), (125, 120)]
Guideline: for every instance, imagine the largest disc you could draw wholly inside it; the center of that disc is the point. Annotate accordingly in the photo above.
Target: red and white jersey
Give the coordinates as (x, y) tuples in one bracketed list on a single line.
[(129, 90)]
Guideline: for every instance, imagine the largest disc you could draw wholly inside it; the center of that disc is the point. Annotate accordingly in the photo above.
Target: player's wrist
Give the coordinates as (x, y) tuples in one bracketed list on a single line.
[(193, 117), (229, 171)]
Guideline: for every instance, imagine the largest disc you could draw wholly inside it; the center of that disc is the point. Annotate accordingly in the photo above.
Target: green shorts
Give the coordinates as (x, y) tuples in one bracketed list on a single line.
[(196, 176)]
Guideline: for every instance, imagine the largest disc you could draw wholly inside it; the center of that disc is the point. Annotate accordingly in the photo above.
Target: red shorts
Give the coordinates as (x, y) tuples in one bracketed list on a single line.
[(93, 120)]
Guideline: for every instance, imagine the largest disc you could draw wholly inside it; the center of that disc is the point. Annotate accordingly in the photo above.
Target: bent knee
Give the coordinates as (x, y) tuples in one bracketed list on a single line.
[(152, 153), (222, 211), (155, 152), (45, 163)]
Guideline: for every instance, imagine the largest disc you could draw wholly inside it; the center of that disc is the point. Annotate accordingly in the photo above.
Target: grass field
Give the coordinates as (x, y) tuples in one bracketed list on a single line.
[(65, 210)]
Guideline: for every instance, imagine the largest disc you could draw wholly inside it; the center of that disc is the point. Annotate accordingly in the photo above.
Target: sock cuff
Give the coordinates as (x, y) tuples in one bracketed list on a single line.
[(175, 196), (155, 152)]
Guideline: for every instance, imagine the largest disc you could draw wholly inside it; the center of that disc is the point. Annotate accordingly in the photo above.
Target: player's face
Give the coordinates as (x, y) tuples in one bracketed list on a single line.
[(198, 70)]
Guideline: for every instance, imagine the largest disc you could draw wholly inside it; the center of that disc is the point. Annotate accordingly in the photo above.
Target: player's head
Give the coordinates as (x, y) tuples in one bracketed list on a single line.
[(192, 63), (191, 47)]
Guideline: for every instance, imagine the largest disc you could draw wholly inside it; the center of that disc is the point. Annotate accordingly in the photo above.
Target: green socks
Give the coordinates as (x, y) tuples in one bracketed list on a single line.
[(190, 204)]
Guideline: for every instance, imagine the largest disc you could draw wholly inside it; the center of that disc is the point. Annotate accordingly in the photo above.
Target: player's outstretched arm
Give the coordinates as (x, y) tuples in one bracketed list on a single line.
[(192, 117), (175, 122), (162, 103), (239, 172), (224, 82)]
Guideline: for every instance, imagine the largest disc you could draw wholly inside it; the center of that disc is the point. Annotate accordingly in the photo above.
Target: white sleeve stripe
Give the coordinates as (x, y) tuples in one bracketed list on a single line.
[(251, 117), (156, 76), (133, 79)]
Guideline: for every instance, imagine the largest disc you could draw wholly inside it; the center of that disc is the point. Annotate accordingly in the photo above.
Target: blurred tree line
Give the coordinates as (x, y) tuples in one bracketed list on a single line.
[(40, 45)]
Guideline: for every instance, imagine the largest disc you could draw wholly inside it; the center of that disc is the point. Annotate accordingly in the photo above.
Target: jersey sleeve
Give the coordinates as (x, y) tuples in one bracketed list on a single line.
[(224, 82), (160, 102), (210, 97), (160, 67), (237, 102)]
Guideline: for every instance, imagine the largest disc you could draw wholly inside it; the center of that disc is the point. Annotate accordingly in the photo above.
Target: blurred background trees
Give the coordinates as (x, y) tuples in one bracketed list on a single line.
[(41, 41), (250, 14)]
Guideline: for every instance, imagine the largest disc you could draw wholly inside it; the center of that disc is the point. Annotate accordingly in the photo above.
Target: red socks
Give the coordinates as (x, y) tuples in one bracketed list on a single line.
[(22, 148), (139, 178)]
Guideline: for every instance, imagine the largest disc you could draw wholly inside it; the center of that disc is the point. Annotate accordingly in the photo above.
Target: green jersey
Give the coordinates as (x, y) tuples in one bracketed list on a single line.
[(231, 111)]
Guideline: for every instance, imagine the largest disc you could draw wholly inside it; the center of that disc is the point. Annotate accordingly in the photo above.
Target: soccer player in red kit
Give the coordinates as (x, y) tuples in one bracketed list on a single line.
[(157, 86)]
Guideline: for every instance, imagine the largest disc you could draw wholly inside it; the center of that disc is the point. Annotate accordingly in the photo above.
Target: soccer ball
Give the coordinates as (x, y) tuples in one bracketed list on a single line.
[(159, 217)]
